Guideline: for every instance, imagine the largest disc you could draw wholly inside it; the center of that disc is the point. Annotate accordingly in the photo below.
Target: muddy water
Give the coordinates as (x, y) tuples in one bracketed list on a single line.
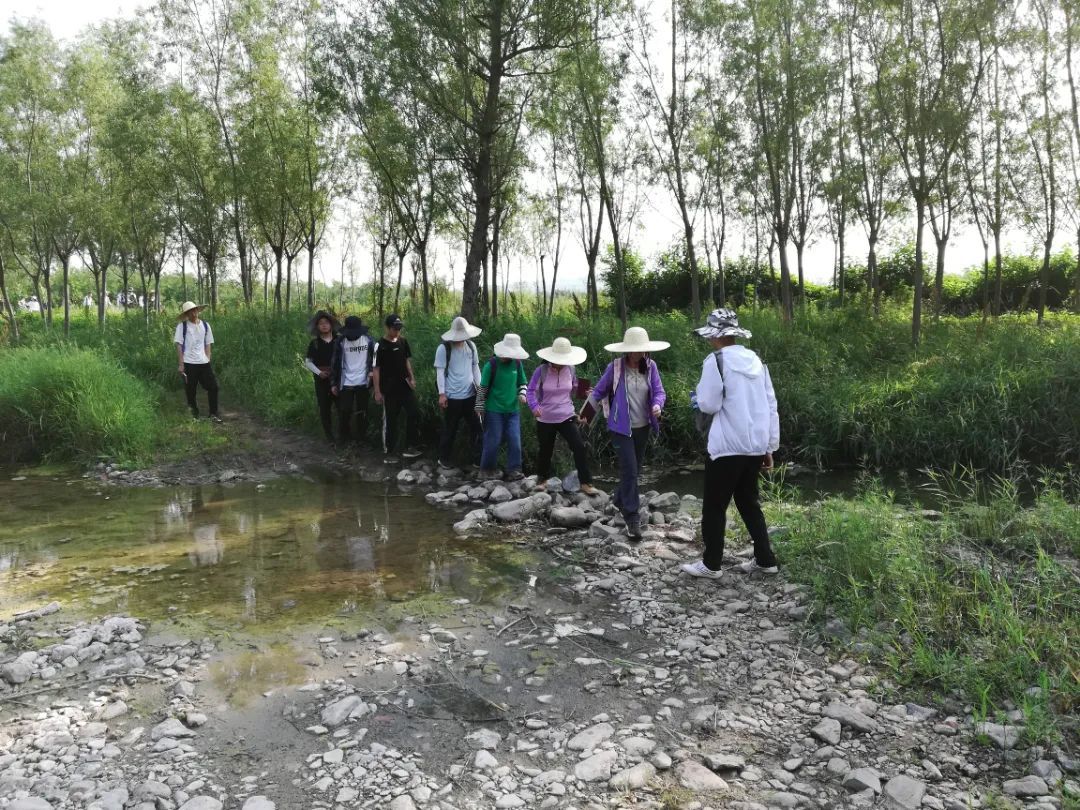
[(253, 556)]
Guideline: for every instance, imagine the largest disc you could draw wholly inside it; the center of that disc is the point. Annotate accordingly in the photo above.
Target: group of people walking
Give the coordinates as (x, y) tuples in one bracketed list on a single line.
[(735, 408)]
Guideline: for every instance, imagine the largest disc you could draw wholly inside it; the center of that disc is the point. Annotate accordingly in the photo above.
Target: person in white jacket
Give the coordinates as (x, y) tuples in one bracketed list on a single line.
[(736, 389)]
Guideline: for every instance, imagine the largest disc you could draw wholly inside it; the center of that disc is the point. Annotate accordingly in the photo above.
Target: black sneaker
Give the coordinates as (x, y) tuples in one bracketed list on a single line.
[(216, 419), (516, 475), (633, 529), (448, 467)]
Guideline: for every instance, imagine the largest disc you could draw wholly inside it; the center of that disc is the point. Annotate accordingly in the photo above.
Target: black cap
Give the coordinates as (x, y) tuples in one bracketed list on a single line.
[(394, 320), (354, 328)]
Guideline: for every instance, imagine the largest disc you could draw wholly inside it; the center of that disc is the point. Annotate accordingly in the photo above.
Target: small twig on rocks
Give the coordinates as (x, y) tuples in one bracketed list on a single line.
[(506, 627), (62, 686), (474, 693)]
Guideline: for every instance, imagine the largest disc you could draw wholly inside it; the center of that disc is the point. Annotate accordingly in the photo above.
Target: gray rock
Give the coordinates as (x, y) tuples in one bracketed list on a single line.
[(508, 801), (259, 803), (402, 803), (572, 482), (668, 502), (591, 737), (863, 779), (170, 728), (471, 522), (500, 495), (16, 672), (828, 731), (596, 768), (484, 761), (849, 717), (638, 746), (1003, 736), (569, 517), (201, 803), (1028, 786), (31, 803), (695, 776), (725, 762), (522, 508), (904, 793), (340, 710), (1048, 770), (661, 760), (633, 778), (484, 739)]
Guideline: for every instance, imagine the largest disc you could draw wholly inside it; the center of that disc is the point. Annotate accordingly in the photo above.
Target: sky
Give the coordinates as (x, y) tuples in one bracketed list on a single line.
[(658, 225)]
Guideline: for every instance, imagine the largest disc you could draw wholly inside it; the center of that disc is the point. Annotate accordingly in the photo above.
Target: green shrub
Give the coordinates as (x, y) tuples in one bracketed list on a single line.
[(70, 404)]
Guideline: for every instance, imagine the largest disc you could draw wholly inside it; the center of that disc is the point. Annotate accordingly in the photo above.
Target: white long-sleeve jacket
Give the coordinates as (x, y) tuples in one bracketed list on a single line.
[(746, 422)]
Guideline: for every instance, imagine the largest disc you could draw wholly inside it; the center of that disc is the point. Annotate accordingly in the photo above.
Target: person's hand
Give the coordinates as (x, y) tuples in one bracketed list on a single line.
[(378, 397), (538, 412), (656, 411), (767, 462), (180, 368), (521, 398), (324, 375), (581, 421), (443, 401), (334, 390), (412, 382)]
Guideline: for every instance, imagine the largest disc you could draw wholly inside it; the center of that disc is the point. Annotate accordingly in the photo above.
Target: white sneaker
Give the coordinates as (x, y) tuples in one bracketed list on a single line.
[(699, 569), (751, 567)]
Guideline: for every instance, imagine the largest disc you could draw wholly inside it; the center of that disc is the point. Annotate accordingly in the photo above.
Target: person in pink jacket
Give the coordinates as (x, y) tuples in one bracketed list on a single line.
[(550, 398)]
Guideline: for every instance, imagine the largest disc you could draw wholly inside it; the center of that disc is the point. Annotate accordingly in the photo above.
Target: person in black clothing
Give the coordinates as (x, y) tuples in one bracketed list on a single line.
[(394, 384), (320, 353), (350, 376)]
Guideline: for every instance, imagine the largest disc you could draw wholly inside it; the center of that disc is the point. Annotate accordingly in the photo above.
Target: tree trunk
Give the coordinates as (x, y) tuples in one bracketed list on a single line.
[(841, 276), (496, 235), (383, 246), (616, 247), (310, 276), (400, 271), (872, 272), (1044, 276), (65, 264), (591, 257), (9, 313), (288, 281), (799, 248), (942, 244), (785, 279), (916, 305), (998, 271), (1076, 278), (278, 255)]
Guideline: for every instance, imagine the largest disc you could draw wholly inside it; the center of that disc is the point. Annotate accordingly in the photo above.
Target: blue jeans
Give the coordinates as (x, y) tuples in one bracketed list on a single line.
[(497, 427), (630, 450)]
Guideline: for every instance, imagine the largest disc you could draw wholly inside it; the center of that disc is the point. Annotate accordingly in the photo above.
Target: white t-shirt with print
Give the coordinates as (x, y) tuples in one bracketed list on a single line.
[(199, 336), (354, 363)]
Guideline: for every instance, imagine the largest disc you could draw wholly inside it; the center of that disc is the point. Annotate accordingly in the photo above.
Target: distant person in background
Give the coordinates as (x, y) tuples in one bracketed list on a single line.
[(502, 392), (631, 394), (350, 377), (457, 376), (744, 432), (395, 387), (550, 398), (319, 361), (88, 301), (194, 341)]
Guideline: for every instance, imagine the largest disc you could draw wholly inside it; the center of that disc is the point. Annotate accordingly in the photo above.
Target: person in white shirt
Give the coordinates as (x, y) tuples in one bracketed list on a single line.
[(744, 432), (194, 341), (457, 375), (350, 377)]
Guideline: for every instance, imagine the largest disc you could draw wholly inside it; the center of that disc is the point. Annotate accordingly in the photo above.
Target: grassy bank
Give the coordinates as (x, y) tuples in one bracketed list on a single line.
[(851, 388), (980, 603)]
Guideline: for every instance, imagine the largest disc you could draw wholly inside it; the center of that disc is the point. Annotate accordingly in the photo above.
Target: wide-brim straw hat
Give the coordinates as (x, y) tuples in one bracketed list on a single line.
[(461, 330), (636, 339), (562, 353), (313, 324), (186, 307), (722, 323), (509, 348)]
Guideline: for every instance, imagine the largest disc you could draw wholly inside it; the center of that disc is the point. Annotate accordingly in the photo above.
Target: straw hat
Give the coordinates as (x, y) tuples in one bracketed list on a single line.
[(636, 339), (186, 307), (509, 348), (561, 353), (722, 323), (461, 330)]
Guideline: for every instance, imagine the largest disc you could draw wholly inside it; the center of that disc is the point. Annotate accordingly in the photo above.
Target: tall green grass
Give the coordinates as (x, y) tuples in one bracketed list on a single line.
[(978, 603), (850, 387), (73, 404)]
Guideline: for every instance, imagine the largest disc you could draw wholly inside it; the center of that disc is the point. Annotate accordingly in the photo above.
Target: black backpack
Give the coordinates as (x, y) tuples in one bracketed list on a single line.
[(183, 334), (703, 421)]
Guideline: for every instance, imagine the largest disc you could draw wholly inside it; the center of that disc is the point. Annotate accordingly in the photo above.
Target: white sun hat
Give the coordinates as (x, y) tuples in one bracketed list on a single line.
[(186, 307), (636, 339), (561, 353), (722, 323), (461, 330), (509, 348)]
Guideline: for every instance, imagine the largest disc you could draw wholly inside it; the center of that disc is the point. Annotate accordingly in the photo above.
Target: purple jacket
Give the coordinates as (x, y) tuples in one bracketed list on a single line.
[(611, 385)]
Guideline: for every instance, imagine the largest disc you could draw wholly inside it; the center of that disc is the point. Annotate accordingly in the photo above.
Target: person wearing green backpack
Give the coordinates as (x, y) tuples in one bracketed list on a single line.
[(741, 427)]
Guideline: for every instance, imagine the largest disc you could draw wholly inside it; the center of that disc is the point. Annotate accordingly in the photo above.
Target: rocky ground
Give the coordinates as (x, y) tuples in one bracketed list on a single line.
[(618, 682)]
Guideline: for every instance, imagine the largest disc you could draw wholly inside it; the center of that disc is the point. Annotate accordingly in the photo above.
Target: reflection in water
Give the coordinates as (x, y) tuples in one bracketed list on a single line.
[(292, 547)]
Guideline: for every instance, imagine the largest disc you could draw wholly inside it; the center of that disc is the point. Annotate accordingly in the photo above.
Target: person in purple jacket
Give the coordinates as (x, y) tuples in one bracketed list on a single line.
[(550, 398), (632, 396)]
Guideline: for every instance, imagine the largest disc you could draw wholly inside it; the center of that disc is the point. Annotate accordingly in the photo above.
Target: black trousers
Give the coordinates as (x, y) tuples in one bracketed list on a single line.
[(727, 477), (393, 404), (196, 374), (456, 410), (325, 401), (352, 401), (545, 435)]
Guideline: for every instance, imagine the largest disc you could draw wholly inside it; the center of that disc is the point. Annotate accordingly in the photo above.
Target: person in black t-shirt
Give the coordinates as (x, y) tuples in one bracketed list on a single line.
[(323, 328), (394, 385)]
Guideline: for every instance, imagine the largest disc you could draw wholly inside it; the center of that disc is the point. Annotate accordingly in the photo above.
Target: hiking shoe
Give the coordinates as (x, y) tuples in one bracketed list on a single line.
[(388, 459), (751, 567), (516, 475), (588, 489), (216, 419), (411, 452), (444, 466), (699, 569), (633, 529)]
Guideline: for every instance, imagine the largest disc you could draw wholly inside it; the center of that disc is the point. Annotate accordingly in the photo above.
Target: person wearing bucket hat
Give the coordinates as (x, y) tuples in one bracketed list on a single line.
[(194, 341), (744, 431), (632, 395), (502, 389), (457, 376), (323, 329), (549, 398), (395, 386), (350, 378)]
